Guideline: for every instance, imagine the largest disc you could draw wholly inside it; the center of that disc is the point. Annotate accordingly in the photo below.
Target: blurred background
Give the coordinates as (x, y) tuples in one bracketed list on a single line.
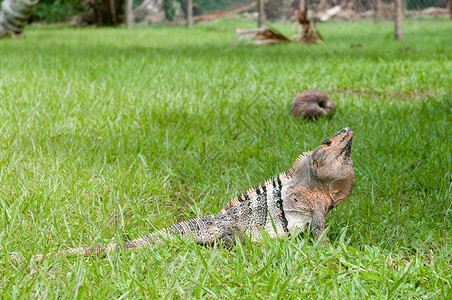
[(112, 12)]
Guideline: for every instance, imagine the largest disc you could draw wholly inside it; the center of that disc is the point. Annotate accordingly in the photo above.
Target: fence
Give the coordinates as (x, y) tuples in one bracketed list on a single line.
[(177, 12)]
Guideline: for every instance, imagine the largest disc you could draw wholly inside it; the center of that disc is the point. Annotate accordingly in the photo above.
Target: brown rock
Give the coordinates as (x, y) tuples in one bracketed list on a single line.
[(312, 104)]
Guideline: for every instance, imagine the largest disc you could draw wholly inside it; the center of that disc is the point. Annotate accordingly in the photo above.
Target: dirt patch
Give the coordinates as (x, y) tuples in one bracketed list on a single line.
[(376, 95)]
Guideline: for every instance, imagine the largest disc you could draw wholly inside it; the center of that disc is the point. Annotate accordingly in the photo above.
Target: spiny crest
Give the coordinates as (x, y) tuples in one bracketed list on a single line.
[(251, 193), (297, 162)]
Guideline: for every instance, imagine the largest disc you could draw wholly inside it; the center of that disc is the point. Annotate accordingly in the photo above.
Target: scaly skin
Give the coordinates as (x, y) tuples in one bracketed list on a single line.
[(317, 182)]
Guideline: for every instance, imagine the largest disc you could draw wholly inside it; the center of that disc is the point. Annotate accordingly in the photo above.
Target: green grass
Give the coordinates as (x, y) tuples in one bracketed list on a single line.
[(107, 134)]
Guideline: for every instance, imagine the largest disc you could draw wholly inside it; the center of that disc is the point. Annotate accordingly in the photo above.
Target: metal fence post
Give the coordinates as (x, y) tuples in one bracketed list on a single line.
[(398, 14), (190, 14), (450, 8), (260, 18), (129, 14)]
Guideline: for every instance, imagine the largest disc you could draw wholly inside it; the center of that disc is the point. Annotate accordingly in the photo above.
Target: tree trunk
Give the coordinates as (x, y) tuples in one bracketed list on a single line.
[(105, 12), (398, 19), (308, 33), (377, 10), (113, 11), (14, 16)]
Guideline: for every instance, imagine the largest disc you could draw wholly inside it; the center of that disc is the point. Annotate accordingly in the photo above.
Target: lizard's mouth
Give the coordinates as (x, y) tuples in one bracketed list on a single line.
[(344, 135), (340, 144), (346, 141), (348, 147), (347, 132)]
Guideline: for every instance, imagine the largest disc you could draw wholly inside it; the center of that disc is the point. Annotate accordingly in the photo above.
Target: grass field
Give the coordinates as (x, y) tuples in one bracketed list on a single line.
[(107, 134)]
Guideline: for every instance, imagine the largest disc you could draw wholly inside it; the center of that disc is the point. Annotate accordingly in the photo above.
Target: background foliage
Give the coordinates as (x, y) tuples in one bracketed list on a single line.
[(53, 11)]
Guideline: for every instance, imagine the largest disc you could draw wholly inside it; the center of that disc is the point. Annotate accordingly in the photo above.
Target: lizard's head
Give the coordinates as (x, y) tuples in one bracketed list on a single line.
[(332, 165)]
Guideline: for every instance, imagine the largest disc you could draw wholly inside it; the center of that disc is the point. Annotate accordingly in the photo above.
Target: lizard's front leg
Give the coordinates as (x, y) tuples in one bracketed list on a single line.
[(318, 222)]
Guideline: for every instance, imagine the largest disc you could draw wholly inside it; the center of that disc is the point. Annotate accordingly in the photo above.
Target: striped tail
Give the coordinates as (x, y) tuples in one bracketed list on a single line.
[(193, 227), (103, 249)]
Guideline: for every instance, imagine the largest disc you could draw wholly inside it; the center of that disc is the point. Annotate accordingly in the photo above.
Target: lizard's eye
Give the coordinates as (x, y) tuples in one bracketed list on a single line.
[(327, 142)]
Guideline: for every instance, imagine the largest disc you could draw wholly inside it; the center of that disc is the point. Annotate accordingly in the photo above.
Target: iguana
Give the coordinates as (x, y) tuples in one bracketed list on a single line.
[(294, 200)]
